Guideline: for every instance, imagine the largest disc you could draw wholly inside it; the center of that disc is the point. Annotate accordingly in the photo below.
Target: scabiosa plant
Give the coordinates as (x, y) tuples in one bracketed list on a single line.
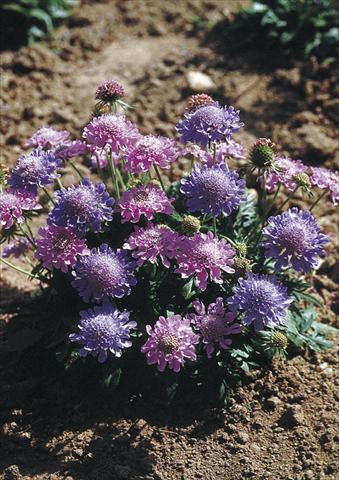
[(285, 172), (16, 248), (59, 247), (82, 207), (34, 170), (205, 256), (13, 203), (262, 299), (294, 238), (209, 124), (70, 149), (102, 330), (110, 91), (214, 324), (113, 130), (47, 137), (144, 200), (104, 274), (326, 179), (147, 244), (229, 149), (213, 190), (171, 341), (150, 151)]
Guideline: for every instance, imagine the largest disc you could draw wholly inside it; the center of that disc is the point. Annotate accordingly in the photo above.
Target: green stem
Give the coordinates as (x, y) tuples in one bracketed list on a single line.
[(214, 225), (18, 269), (159, 178), (121, 180), (114, 176), (58, 182), (229, 240), (31, 241), (48, 195), (269, 208), (318, 199), (214, 153), (288, 198), (77, 170)]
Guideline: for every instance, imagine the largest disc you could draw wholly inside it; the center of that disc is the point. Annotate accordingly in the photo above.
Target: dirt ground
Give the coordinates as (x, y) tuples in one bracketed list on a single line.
[(282, 423)]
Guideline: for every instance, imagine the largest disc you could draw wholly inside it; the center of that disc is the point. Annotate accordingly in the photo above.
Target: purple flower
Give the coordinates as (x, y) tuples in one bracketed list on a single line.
[(262, 298), (104, 274), (100, 155), (324, 178), (82, 206), (16, 248), (71, 149), (47, 137), (149, 151), (204, 254), (12, 204), (294, 238), (113, 130), (170, 342), (34, 170), (214, 325), (208, 124), (213, 190), (144, 200), (59, 247), (110, 91), (149, 243), (225, 150), (103, 329), (284, 172)]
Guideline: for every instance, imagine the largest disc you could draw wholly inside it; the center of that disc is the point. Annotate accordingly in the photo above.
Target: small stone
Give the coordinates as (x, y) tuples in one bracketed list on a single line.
[(200, 82), (273, 402), (242, 437), (12, 473)]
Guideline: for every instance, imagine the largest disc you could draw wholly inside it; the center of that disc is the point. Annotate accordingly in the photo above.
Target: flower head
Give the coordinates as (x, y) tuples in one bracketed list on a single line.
[(110, 91), (327, 179), (34, 170), (16, 248), (204, 255), (71, 149), (104, 274), (113, 130), (103, 329), (215, 325), (210, 123), (213, 190), (144, 200), (294, 238), (82, 206), (262, 298), (190, 225), (286, 172), (262, 153), (147, 244), (171, 341), (47, 137), (12, 205), (231, 148), (198, 101), (59, 247), (149, 151)]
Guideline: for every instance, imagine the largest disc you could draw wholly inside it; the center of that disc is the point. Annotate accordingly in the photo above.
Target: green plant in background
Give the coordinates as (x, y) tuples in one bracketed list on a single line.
[(37, 18), (302, 27)]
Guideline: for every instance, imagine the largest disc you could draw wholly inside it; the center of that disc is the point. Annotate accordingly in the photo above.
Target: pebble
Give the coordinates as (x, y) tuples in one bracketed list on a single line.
[(242, 437), (200, 82), (273, 402)]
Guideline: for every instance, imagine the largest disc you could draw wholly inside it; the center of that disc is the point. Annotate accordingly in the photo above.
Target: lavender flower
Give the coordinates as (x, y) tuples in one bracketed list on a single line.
[(262, 298), (154, 241), (284, 172), (170, 342), (149, 151), (104, 274), (113, 130), (225, 150), (71, 149), (213, 190), (324, 178), (204, 255), (211, 123), (34, 170), (12, 205), (215, 325), (16, 248), (59, 247), (101, 330), (110, 91), (144, 200), (294, 238), (82, 206), (47, 137)]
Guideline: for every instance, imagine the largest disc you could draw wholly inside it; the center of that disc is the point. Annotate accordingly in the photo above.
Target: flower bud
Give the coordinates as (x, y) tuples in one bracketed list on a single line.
[(197, 101), (190, 225), (262, 153)]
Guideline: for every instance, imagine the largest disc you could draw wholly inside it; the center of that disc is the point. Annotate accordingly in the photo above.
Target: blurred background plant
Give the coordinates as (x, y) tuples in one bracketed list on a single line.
[(294, 27), (36, 19)]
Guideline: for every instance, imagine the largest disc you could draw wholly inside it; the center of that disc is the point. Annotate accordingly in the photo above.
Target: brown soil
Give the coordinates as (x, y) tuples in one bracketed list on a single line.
[(282, 423)]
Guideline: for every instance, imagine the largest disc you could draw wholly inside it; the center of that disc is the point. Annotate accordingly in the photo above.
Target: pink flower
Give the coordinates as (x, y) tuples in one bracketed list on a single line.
[(149, 151), (205, 256), (170, 342), (324, 178), (149, 243), (12, 204), (144, 200), (47, 137), (286, 169)]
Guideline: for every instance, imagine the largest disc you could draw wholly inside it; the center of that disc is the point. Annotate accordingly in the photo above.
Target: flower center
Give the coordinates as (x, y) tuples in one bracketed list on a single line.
[(212, 327), (168, 344), (60, 242), (206, 253), (214, 186), (294, 239), (80, 201), (141, 196), (210, 115)]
